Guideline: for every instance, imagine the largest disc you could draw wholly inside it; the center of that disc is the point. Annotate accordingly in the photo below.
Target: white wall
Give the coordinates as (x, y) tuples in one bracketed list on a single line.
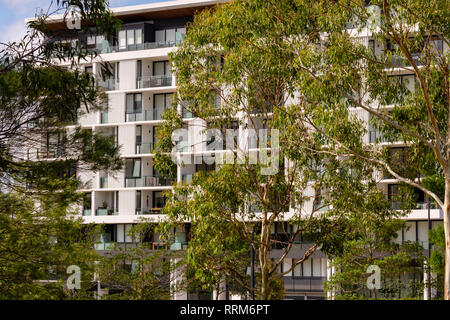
[(116, 107), (127, 74)]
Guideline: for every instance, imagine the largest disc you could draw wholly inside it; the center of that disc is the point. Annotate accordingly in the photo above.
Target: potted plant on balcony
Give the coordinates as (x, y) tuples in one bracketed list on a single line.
[(103, 209)]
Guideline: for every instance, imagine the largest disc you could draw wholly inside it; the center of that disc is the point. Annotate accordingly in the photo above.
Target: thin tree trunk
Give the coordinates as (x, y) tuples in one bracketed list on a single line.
[(263, 248), (447, 238)]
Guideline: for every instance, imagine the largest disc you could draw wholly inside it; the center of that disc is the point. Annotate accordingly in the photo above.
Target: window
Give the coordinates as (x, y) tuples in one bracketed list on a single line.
[(161, 68), (138, 135), (393, 194), (95, 41), (117, 201), (133, 168), (205, 167), (159, 199), (139, 69), (138, 201), (138, 36), (407, 80), (160, 103), (170, 36), (134, 103), (87, 204), (372, 45), (122, 39), (130, 37)]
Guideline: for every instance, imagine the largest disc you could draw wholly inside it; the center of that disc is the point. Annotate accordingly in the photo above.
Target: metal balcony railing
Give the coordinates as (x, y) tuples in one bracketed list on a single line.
[(308, 284), (146, 115), (109, 84), (145, 211), (153, 81), (45, 153), (135, 47), (104, 212), (144, 148), (148, 181)]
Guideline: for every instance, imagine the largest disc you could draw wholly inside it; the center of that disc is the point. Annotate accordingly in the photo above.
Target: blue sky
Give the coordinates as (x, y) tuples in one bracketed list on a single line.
[(13, 13)]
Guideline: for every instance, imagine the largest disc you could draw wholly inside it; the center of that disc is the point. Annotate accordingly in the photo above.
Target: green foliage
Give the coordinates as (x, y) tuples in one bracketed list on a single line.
[(371, 244), (38, 244), (39, 231), (140, 273), (256, 56)]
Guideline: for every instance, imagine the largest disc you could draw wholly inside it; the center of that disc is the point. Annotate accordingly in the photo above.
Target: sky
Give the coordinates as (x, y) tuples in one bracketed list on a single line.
[(14, 12)]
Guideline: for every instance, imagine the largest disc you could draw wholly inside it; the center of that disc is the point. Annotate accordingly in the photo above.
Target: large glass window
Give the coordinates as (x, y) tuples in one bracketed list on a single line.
[(138, 201), (133, 168), (134, 103), (122, 39), (138, 135), (130, 37), (161, 68), (160, 35), (159, 199), (138, 36), (170, 36), (161, 102)]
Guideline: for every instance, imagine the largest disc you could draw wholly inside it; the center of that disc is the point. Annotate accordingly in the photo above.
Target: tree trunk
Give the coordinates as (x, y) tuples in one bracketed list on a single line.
[(263, 251), (447, 238)]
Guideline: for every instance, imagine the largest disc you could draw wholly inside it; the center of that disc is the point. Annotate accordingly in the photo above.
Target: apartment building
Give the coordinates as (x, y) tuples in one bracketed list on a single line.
[(140, 89)]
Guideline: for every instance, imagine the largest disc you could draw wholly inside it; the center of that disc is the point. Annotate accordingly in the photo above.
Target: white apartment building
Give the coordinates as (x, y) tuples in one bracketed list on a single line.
[(139, 91)]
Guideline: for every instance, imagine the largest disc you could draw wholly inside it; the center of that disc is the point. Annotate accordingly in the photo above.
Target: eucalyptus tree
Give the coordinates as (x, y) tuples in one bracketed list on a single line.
[(388, 60), (236, 68), (40, 97), (40, 233)]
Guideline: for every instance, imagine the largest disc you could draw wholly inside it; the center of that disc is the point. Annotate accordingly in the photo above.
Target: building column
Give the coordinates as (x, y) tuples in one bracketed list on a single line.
[(330, 272), (177, 278)]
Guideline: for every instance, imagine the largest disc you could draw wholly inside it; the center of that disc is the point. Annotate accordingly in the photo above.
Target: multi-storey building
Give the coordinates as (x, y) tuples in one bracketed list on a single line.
[(139, 90)]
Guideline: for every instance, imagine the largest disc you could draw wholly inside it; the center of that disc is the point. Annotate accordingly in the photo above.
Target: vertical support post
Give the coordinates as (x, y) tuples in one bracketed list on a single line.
[(252, 261), (429, 252)]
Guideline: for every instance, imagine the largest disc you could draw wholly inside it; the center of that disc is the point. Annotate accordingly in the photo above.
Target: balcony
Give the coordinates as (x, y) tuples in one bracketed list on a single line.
[(148, 181), (146, 115), (308, 284), (145, 148), (105, 246), (109, 84), (104, 212), (87, 212), (45, 153), (153, 81), (147, 211), (107, 48)]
